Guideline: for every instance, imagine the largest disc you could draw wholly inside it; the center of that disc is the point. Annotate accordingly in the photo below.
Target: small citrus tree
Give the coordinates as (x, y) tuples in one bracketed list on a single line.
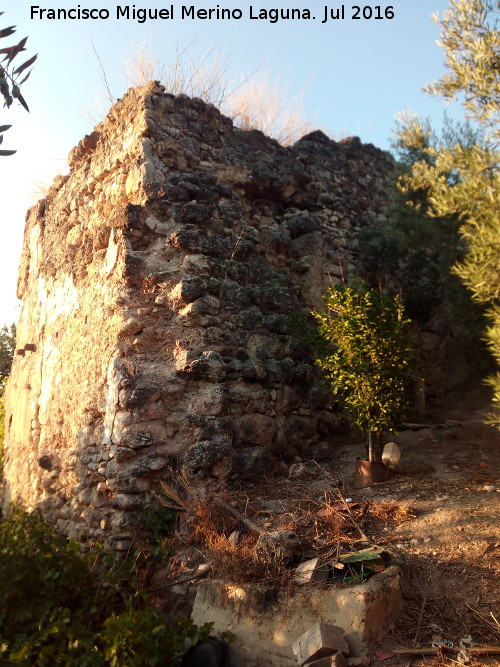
[(367, 360)]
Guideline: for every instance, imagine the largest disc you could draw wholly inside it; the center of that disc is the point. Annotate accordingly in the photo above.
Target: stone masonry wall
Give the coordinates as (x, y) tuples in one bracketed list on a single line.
[(156, 281)]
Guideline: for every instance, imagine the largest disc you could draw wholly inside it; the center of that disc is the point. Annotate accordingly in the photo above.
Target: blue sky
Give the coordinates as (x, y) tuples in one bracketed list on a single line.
[(353, 75)]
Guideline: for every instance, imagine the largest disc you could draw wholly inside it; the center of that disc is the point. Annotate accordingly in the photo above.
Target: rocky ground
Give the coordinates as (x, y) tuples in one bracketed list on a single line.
[(449, 477), (438, 514)]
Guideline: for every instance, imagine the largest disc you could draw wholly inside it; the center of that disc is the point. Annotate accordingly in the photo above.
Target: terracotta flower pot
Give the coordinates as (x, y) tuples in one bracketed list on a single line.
[(371, 472)]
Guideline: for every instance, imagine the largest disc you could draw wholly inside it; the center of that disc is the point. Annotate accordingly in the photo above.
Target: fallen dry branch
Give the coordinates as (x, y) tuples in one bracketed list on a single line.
[(352, 519), (193, 577), (475, 650), (252, 527), (485, 619), (418, 427), (417, 632)]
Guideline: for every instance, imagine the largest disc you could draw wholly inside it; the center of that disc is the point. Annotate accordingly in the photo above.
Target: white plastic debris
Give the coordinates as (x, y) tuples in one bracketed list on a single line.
[(391, 455)]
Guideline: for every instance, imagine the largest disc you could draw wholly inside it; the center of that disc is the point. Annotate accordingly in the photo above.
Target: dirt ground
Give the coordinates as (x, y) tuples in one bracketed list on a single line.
[(449, 476), (439, 514)]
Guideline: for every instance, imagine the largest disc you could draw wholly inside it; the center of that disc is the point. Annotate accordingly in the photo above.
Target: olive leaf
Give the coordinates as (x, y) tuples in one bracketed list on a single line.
[(10, 81)]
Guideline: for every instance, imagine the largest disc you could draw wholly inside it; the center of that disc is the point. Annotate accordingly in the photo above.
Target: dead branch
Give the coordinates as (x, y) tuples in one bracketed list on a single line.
[(351, 518), (252, 527), (415, 639), (178, 581), (476, 650)]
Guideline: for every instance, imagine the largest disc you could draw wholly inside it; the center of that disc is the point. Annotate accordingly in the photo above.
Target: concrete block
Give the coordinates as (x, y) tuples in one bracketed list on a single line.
[(319, 641), (311, 571), (265, 633)]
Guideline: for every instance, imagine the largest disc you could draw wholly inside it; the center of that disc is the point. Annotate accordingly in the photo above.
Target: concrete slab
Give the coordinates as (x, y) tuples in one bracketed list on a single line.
[(267, 624), (311, 571)]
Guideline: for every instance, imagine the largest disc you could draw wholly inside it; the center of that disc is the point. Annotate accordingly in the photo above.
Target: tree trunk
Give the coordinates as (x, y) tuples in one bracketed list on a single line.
[(370, 446)]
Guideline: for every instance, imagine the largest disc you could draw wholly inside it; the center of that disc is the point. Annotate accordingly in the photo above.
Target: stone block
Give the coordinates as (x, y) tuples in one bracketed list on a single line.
[(189, 289), (321, 640), (253, 461), (210, 366), (338, 660), (126, 484), (311, 571), (209, 400), (256, 429), (125, 501), (359, 661), (299, 430), (204, 455), (254, 369), (277, 545), (298, 225)]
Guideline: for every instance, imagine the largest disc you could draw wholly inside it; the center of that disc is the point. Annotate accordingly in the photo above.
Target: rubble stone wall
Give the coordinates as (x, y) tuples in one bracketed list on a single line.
[(156, 282)]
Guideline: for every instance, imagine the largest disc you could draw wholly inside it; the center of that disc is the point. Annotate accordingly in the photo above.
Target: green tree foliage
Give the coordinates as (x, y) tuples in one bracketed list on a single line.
[(141, 637), (61, 607), (43, 585), (471, 41), (2, 433), (367, 363), (12, 76), (413, 253), (463, 181), (7, 348)]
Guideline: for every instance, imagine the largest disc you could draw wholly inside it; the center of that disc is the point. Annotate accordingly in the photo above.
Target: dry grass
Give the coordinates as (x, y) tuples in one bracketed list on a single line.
[(325, 527), (210, 525), (445, 661), (388, 514), (431, 613), (259, 100), (189, 74), (239, 563), (39, 190), (262, 103)]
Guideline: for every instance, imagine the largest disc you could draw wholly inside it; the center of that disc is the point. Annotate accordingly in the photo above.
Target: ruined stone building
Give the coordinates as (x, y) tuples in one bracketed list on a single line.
[(156, 280)]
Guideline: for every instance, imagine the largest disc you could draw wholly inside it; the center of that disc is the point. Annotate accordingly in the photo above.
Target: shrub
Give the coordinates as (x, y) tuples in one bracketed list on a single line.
[(61, 607), (2, 433), (141, 637), (44, 585), (471, 43), (368, 357)]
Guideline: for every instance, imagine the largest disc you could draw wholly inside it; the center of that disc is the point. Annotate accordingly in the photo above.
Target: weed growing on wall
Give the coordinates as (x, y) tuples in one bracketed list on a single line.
[(7, 347), (259, 100), (158, 522)]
